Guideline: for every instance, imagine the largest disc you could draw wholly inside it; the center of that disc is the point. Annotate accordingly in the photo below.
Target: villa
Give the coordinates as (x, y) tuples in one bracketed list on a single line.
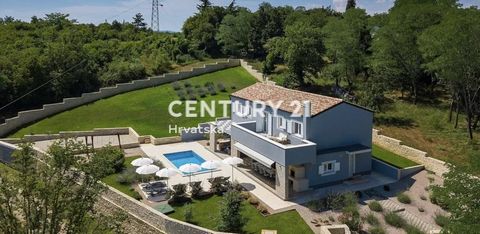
[(322, 142)]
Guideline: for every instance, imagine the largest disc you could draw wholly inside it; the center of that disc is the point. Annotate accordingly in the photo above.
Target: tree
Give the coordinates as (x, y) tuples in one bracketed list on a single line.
[(139, 21), (350, 4), (452, 51), (50, 194), (459, 194), (234, 33), (347, 41), (230, 218), (204, 4), (112, 158), (395, 45), (122, 72), (302, 49)]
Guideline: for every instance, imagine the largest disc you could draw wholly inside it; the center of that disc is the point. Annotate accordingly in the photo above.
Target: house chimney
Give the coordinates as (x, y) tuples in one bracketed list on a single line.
[(307, 108)]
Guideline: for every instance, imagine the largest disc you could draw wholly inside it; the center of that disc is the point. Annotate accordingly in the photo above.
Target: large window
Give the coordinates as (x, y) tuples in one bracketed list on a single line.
[(297, 128)]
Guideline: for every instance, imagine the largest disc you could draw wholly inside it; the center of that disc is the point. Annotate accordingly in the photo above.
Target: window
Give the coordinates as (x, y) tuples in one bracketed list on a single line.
[(297, 128), (281, 123), (328, 168), (242, 110)]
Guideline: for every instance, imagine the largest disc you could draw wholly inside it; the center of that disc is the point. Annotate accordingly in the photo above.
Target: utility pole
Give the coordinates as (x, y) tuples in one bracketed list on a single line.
[(155, 16)]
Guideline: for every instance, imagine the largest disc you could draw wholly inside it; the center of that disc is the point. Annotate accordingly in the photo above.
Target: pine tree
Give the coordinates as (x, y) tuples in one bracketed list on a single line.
[(204, 4)]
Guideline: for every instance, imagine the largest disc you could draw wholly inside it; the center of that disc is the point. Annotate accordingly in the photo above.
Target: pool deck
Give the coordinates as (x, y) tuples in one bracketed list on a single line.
[(258, 189), (156, 153)]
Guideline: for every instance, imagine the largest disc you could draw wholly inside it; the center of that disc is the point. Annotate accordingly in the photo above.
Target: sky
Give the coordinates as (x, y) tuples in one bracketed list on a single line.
[(172, 14)]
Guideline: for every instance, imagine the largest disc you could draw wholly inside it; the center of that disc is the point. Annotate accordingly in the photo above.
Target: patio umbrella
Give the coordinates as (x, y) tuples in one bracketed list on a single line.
[(167, 172), (141, 162), (147, 170), (232, 161), (190, 168), (211, 165)]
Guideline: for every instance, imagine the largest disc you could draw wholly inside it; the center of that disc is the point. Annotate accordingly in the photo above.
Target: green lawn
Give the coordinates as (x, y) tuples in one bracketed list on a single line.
[(111, 180), (145, 110), (391, 158), (205, 213), (4, 168)]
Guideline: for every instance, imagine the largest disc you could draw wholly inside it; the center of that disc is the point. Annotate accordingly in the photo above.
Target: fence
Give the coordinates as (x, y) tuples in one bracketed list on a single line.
[(25, 117)]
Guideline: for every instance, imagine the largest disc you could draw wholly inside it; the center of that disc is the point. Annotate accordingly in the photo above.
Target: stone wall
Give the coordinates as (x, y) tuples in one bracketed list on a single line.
[(413, 154), (25, 117), (258, 75)]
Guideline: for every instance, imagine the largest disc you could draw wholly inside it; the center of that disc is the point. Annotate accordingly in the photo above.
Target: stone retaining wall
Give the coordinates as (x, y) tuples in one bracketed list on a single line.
[(25, 117), (258, 75), (413, 154)]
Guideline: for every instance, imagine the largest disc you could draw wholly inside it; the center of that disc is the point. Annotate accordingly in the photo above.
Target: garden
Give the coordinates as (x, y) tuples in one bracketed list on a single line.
[(146, 110)]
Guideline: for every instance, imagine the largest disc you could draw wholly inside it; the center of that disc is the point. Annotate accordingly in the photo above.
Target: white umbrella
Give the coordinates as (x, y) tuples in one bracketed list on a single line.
[(211, 165), (141, 162), (232, 161), (147, 169), (190, 168), (167, 172)]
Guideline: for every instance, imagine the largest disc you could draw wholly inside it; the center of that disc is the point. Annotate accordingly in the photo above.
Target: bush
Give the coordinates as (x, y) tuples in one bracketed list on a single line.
[(212, 90), (229, 217), (351, 218), (233, 87), (219, 185), (376, 230), (394, 219), (209, 84), (202, 92), (137, 196), (375, 206), (410, 229), (177, 194), (262, 209), (221, 87), (187, 84), (441, 220), (252, 201), (371, 219), (196, 188), (404, 198), (192, 96), (188, 213), (176, 85), (111, 158), (181, 95), (128, 177), (334, 201), (317, 205)]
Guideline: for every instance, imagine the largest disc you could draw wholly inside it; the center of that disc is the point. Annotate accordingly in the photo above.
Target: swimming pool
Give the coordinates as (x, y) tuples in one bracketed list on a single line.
[(180, 158)]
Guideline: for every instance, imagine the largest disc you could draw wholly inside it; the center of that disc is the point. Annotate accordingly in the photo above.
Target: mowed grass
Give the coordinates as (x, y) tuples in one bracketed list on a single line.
[(111, 180), (391, 158), (144, 110), (205, 214)]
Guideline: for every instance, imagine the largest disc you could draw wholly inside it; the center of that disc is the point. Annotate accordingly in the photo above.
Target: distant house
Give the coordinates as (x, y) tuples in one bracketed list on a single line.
[(327, 142)]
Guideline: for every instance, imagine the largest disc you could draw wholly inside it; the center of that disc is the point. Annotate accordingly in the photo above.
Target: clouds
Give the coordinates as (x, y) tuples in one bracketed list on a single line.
[(339, 5)]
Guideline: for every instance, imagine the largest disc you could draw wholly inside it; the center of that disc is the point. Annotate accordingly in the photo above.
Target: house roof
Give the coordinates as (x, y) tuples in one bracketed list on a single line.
[(347, 148), (269, 92)]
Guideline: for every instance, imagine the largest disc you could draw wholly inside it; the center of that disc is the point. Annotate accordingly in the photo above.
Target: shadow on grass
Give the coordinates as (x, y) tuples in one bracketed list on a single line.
[(394, 121)]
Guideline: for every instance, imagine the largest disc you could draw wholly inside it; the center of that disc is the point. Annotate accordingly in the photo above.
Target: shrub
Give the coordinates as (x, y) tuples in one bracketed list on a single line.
[(192, 96), (262, 209), (188, 213), (331, 218), (212, 91), (181, 95), (351, 218), (177, 194), (176, 85), (431, 179), (190, 90), (187, 84), (137, 196), (229, 217), (375, 206), (317, 205), (219, 185), (252, 201), (334, 201), (196, 188), (410, 229), (233, 87), (197, 86), (127, 177), (376, 230), (440, 220), (221, 87), (404, 198), (394, 219), (202, 92), (371, 219), (245, 195), (111, 158), (209, 84)]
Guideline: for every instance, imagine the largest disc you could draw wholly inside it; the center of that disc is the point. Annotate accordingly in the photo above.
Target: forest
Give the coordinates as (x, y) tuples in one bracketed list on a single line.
[(418, 49)]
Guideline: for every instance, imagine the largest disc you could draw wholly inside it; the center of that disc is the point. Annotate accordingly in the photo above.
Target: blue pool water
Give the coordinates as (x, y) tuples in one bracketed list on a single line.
[(180, 158)]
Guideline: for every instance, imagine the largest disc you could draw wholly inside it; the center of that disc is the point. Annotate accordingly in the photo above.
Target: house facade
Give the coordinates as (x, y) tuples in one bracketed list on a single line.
[(297, 141)]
